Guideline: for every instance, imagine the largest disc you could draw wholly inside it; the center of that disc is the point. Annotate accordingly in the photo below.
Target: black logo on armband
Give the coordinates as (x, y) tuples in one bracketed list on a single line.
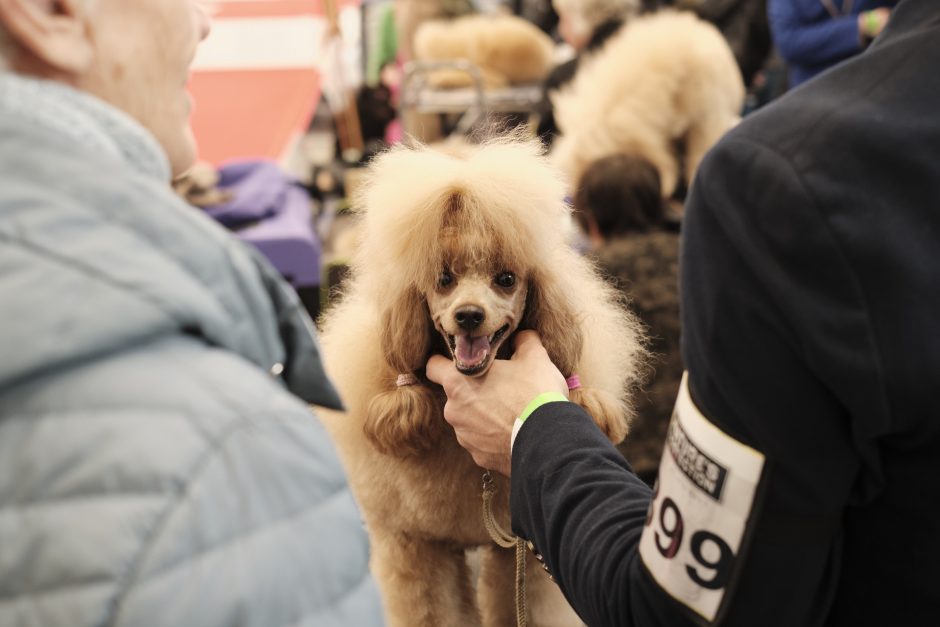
[(707, 474)]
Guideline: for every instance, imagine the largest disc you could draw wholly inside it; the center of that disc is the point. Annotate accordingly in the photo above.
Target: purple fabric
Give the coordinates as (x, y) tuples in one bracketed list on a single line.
[(260, 189), (272, 212), (288, 241)]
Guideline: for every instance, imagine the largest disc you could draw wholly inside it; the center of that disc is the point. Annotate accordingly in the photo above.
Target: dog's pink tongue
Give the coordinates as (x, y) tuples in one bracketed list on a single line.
[(472, 350)]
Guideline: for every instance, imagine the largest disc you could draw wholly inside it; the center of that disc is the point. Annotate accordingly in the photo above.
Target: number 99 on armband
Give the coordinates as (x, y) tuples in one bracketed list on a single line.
[(698, 516)]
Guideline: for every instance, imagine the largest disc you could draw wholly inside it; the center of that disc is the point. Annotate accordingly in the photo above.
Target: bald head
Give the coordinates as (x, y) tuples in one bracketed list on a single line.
[(134, 55)]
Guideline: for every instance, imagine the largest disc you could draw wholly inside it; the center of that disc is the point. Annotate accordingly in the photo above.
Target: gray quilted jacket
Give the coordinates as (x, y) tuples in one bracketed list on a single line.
[(154, 468)]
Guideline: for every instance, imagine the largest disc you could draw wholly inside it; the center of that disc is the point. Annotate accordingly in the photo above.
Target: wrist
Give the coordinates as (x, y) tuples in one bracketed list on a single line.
[(538, 401), (535, 403), (869, 24)]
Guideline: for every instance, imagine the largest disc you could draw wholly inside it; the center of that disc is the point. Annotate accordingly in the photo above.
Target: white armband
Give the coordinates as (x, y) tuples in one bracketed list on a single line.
[(696, 528)]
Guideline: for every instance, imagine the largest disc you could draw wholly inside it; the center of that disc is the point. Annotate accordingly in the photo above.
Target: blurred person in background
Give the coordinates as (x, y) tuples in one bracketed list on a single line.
[(411, 14), (539, 12), (813, 35), (585, 25), (408, 16), (158, 462), (744, 25), (619, 204)]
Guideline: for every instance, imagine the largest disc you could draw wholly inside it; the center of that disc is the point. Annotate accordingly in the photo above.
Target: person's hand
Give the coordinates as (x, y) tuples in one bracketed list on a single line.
[(482, 409), (871, 23)]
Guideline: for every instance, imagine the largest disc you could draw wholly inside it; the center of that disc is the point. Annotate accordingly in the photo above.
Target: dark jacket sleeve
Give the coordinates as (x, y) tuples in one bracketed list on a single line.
[(577, 500), (775, 341)]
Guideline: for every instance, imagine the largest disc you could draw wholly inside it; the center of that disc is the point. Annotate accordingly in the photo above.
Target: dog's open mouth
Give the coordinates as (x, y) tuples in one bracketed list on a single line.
[(473, 355)]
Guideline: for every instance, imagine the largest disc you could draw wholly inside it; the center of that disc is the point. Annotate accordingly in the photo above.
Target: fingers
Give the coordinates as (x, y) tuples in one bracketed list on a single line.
[(526, 343), (451, 418), (438, 368)]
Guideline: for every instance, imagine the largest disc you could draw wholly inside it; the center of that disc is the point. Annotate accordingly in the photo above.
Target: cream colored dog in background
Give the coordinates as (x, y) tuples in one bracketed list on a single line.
[(665, 88), (457, 252), (506, 49)]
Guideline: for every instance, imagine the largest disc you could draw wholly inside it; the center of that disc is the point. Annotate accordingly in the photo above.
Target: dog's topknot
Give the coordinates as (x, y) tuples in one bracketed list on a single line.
[(415, 195)]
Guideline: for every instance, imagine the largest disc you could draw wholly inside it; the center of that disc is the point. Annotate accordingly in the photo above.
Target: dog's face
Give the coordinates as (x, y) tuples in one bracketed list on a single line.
[(475, 310)]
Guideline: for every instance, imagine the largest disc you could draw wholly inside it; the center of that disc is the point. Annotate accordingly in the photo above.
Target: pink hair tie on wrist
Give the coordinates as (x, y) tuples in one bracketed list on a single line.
[(406, 379), (574, 382)]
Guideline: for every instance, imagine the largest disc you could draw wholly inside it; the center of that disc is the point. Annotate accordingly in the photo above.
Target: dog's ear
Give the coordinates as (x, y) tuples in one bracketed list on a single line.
[(550, 313), (406, 336), (403, 421)]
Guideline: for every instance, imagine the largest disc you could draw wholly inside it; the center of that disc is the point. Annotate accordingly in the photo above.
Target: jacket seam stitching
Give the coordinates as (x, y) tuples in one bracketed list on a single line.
[(261, 528), (837, 247), (77, 266), (126, 582)]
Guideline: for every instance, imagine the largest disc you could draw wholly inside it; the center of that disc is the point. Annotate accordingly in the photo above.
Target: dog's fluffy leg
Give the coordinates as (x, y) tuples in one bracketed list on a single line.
[(496, 588), (547, 605), (496, 592), (423, 583)]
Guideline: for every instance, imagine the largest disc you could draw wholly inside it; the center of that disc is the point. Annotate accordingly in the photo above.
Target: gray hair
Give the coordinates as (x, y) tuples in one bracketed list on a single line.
[(586, 15)]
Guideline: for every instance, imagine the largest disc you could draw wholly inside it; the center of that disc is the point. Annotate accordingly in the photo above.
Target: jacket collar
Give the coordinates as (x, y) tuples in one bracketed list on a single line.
[(84, 119)]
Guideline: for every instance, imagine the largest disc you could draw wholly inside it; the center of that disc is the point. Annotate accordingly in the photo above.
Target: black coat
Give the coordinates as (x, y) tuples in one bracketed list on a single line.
[(810, 305)]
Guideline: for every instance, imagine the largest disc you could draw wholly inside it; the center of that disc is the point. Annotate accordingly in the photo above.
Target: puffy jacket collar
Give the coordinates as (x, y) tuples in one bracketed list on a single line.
[(79, 117), (97, 255)]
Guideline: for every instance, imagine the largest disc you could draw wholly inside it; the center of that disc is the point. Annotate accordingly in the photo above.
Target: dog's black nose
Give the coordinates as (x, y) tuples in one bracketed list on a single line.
[(469, 318)]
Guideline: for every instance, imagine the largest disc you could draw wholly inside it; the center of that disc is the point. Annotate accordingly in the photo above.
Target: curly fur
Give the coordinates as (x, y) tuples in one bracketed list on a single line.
[(506, 49), (665, 88), (497, 206)]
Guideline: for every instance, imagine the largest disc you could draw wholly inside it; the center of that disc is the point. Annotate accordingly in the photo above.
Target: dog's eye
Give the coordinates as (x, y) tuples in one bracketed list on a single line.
[(505, 279), (445, 279)]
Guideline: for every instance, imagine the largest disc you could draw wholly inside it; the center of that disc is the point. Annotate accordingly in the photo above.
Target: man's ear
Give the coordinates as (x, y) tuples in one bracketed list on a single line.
[(53, 34)]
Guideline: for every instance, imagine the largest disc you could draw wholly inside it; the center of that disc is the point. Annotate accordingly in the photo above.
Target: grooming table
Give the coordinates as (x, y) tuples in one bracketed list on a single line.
[(472, 103)]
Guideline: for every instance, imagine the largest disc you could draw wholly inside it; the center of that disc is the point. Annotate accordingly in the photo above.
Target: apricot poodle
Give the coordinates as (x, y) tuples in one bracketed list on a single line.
[(456, 253)]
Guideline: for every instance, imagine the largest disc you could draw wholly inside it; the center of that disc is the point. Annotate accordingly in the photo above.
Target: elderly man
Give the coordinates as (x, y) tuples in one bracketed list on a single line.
[(156, 464)]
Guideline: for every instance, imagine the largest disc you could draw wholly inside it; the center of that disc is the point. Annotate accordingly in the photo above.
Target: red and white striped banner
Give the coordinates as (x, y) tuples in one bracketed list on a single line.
[(257, 77)]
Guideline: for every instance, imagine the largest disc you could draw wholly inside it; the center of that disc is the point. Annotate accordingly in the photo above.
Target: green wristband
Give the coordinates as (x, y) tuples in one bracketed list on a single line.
[(871, 22), (538, 401)]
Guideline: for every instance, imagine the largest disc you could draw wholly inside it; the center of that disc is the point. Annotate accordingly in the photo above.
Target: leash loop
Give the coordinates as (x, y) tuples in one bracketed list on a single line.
[(506, 540)]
